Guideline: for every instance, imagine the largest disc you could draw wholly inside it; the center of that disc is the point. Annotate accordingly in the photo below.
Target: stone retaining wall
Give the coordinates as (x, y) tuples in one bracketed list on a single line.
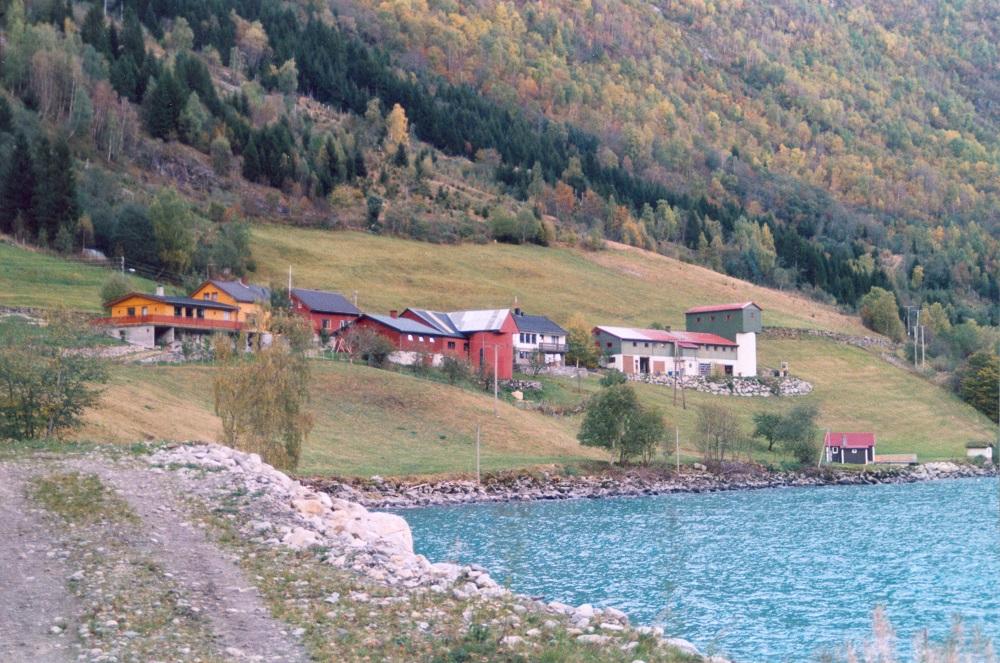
[(733, 386)]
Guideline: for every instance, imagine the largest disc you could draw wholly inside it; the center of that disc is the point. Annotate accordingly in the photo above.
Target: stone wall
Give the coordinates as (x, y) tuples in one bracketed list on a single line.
[(733, 386), (880, 342)]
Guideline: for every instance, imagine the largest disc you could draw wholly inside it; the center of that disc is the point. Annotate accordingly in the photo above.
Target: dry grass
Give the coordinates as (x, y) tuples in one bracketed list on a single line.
[(367, 421), (621, 285)]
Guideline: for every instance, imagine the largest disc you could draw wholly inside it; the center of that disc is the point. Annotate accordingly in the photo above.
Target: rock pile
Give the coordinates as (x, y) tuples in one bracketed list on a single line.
[(380, 545), (733, 386), (376, 544)]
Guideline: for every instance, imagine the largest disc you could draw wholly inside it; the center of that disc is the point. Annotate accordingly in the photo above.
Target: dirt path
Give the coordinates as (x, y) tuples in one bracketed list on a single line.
[(208, 576), (33, 594)]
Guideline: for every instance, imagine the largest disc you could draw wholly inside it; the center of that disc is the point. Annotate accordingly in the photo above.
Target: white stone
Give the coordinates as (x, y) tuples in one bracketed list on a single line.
[(593, 639), (586, 610), (511, 640), (607, 626), (682, 645)]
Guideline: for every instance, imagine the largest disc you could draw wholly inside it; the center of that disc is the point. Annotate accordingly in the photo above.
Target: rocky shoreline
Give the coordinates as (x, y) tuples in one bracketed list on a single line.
[(524, 486), (284, 512)]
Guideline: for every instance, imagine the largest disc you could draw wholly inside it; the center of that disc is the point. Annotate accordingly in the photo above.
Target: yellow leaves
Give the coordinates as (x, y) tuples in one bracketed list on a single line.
[(397, 127)]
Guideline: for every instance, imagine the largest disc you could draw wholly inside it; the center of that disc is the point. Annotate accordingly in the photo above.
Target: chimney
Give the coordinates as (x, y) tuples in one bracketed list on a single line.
[(393, 313), (518, 311), (159, 291), (668, 328)]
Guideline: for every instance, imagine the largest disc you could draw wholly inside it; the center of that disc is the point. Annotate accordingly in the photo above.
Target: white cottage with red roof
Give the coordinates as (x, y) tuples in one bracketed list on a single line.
[(855, 448)]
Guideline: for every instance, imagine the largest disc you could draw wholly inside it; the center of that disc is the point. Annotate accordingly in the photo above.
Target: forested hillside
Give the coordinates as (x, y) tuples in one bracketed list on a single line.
[(851, 154), (875, 122)]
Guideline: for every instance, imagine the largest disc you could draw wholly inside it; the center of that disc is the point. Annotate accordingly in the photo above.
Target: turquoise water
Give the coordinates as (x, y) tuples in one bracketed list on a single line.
[(768, 575)]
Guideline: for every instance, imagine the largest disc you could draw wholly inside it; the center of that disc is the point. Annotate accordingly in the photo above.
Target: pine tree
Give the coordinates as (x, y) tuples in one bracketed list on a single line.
[(94, 32), (54, 202), (163, 105), (251, 161), (18, 187)]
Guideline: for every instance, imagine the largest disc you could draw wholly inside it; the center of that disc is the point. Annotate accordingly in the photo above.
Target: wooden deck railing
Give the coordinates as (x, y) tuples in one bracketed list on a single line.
[(170, 321)]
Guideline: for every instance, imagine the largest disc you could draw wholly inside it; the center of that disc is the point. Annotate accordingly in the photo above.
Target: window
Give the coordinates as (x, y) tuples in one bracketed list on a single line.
[(420, 339), (343, 323), (431, 339), (409, 337), (698, 319), (225, 315), (326, 323), (177, 311), (451, 345), (207, 297), (609, 344), (465, 346), (201, 313), (145, 310), (712, 318), (645, 345), (729, 316), (130, 311), (121, 334)]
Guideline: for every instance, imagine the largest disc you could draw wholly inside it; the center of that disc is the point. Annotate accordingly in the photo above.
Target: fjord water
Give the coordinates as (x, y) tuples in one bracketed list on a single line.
[(766, 575)]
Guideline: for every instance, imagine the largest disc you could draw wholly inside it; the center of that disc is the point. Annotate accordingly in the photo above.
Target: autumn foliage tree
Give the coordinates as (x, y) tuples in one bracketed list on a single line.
[(261, 398)]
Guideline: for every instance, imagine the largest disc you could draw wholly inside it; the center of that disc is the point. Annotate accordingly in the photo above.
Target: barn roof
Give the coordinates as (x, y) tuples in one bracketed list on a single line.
[(464, 322), (715, 308), (684, 339), (322, 301), (849, 440), (407, 326)]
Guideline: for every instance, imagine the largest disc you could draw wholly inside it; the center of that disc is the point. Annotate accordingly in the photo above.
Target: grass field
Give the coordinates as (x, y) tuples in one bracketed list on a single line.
[(379, 422), (32, 278), (619, 285), (367, 421)]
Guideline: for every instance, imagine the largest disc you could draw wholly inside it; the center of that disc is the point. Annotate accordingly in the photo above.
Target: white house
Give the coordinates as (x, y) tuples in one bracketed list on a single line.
[(538, 334)]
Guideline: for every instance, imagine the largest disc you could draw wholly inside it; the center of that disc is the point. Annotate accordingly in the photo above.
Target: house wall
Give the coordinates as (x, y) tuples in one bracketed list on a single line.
[(156, 307), (412, 345), (980, 452), (141, 335), (746, 355), (529, 348), (726, 324), (482, 346), (850, 456)]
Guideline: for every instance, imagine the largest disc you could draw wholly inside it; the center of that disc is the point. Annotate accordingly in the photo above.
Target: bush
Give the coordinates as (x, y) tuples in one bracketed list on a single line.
[(222, 156), (455, 370), (880, 313), (115, 286)]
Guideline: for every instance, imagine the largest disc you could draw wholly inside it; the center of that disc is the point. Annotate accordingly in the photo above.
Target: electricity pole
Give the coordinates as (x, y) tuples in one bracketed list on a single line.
[(289, 281), (496, 380), (677, 447)]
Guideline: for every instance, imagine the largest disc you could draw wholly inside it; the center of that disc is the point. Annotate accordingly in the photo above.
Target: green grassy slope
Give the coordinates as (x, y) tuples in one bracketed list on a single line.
[(31, 278), (620, 285)]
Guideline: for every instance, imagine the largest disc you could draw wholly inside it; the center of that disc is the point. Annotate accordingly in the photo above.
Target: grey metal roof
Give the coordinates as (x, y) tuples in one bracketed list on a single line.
[(537, 324), (322, 301), (189, 301), (408, 326), (244, 292), (464, 322)]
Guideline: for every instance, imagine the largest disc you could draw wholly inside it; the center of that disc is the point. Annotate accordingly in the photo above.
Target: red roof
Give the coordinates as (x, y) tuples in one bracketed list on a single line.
[(850, 440), (701, 338), (721, 307)]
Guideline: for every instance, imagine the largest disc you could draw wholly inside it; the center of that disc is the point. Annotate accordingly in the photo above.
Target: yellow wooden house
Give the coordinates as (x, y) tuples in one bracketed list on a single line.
[(251, 301), (159, 319)]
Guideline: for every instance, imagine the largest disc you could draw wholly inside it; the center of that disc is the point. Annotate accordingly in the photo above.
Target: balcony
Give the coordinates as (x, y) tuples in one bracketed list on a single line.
[(170, 321), (552, 348)]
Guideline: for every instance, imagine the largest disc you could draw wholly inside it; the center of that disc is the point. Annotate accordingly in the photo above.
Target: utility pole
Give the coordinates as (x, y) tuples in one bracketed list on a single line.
[(578, 376), (496, 380), (123, 265), (677, 447), (923, 346), (289, 281), (916, 330), (477, 453)]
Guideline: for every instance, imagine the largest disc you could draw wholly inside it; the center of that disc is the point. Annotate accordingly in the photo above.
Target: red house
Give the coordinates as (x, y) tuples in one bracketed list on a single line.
[(414, 340), (856, 448), (489, 334), (328, 311)]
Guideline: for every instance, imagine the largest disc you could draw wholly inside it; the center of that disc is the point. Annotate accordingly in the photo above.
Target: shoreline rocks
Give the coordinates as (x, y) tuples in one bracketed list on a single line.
[(524, 486)]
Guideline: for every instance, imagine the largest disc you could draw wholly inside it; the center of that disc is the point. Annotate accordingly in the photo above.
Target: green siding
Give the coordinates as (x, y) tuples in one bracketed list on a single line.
[(726, 324)]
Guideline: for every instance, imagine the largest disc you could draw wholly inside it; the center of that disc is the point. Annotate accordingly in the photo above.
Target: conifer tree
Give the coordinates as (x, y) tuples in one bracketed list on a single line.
[(54, 202), (18, 187), (163, 105), (251, 161)]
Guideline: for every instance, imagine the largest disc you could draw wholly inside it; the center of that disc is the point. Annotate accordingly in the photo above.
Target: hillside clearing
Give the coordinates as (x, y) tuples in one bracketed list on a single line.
[(614, 286)]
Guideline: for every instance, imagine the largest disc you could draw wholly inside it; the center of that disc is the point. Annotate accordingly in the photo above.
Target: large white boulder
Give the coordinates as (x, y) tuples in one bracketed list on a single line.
[(388, 528)]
